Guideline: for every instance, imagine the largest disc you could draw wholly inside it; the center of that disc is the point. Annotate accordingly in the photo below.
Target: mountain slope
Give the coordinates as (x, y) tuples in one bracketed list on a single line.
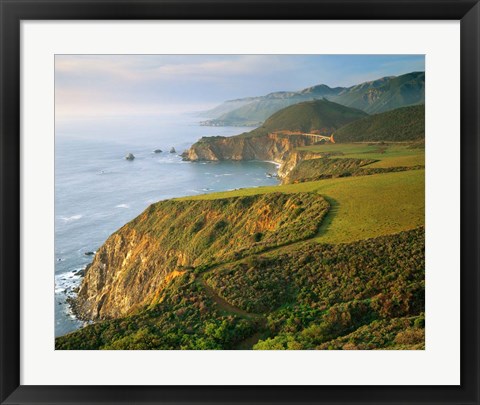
[(402, 124), (322, 116), (227, 106), (374, 96), (385, 94)]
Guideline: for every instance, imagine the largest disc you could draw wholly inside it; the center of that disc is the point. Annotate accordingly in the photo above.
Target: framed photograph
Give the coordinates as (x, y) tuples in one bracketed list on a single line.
[(239, 202)]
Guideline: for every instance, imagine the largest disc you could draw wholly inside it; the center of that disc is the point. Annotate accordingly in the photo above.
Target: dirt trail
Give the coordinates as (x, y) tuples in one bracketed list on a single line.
[(227, 307), (224, 304), (250, 341)]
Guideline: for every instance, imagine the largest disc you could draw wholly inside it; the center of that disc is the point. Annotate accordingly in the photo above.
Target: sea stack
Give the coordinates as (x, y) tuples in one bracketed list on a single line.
[(130, 156), (173, 150)]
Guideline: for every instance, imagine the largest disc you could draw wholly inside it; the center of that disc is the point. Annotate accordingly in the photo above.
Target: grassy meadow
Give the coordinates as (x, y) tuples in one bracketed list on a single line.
[(363, 206)]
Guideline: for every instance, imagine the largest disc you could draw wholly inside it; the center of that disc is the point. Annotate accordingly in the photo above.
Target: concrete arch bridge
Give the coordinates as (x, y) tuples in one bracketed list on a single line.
[(316, 137)]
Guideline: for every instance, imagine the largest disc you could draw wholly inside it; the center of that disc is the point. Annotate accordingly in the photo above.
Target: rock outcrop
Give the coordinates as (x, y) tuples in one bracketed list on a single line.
[(272, 147)]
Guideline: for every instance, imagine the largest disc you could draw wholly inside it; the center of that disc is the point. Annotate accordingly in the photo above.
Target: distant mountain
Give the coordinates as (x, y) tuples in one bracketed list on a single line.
[(227, 106), (385, 94), (401, 124), (256, 110), (375, 96)]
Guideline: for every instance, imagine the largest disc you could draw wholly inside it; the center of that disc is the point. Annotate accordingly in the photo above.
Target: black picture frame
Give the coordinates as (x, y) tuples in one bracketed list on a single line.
[(14, 11)]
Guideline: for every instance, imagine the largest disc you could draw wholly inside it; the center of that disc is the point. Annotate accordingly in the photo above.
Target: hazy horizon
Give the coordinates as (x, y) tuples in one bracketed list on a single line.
[(99, 87)]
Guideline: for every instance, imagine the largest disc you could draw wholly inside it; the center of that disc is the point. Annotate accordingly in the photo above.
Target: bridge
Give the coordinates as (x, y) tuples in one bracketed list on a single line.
[(316, 137), (321, 137)]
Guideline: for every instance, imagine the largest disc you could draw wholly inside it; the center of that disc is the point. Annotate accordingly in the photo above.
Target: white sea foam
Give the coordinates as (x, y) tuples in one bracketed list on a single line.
[(122, 206), (272, 162), (66, 282), (72, 218)]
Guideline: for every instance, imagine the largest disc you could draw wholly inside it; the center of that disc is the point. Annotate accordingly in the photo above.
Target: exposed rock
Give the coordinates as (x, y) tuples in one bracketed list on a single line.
[(135, 264), (157, 151), (173, 150), (89, 253), (274, 147), (130, 156)]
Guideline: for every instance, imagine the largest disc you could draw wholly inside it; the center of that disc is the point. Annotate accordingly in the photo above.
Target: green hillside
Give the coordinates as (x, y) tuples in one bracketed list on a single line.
[(320, 115), (402, 124), (310, 296), (385, 94), (362, 207)]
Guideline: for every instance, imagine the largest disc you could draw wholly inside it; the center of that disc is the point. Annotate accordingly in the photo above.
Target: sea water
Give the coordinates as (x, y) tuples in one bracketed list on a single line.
[(97, 190)]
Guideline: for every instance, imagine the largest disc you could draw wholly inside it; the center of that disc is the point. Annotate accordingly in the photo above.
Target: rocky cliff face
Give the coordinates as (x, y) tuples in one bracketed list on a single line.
[(292, 160), (272, 147), (172, 237)]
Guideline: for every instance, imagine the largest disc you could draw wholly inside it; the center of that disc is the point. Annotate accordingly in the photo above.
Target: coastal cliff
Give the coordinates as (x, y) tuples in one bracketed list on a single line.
[(272, 147), (173, 237), (278, 148)]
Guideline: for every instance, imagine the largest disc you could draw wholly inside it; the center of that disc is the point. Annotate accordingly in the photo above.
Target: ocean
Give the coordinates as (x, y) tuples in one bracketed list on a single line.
[(97, 190)]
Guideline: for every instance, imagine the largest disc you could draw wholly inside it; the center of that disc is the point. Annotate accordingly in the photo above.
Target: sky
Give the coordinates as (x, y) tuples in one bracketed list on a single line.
[(96, 86)]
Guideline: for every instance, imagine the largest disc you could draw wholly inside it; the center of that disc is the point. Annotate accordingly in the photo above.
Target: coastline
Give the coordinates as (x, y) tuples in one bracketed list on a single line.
[(65, 294)]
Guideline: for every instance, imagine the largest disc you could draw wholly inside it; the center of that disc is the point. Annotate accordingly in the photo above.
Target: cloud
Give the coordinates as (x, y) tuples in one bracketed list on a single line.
[(106, 85), (153, 67)]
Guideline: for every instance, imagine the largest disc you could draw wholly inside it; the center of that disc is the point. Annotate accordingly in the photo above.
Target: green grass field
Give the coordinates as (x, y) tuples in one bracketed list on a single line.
[(362, 207), (391, 155)]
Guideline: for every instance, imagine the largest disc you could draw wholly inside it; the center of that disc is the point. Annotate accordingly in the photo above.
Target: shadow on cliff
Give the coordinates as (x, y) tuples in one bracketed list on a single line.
[(331, 214)]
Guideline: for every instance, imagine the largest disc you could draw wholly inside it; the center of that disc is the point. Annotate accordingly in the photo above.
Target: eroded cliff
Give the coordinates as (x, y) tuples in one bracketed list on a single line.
[(172, 237), (273, 147)]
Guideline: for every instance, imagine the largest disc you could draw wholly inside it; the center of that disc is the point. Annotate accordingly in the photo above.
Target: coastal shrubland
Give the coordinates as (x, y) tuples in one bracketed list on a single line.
[(402, 124), (186, 318), (368, 294)]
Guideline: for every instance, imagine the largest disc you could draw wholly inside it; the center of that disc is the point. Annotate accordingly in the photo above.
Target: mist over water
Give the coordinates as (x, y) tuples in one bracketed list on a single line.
[(97, 191)]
